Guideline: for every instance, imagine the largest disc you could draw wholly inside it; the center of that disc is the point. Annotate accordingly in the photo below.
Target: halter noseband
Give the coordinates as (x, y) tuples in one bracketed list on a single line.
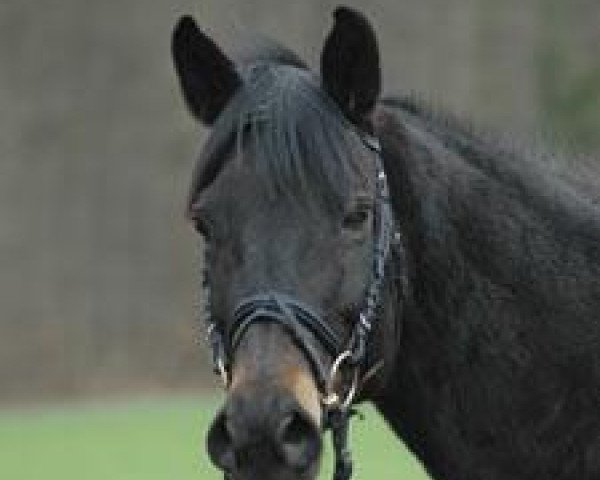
[(304, 325)]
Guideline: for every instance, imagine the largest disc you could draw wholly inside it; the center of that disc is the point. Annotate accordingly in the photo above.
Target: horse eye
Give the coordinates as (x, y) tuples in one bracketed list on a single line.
[(355, 220)]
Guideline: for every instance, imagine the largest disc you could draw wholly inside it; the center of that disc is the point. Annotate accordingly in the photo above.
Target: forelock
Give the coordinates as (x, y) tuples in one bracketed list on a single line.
[(290, 130)]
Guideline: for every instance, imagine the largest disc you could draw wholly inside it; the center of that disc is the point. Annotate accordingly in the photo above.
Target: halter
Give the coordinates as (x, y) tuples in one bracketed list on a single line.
[(304, 325)]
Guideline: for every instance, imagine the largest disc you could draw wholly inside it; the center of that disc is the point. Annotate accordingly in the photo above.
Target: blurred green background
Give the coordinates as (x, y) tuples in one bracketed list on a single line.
[(154, 439), (99, 276)]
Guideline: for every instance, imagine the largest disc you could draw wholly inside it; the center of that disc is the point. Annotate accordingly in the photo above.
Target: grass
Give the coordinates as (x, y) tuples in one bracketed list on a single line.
[(155, 439)]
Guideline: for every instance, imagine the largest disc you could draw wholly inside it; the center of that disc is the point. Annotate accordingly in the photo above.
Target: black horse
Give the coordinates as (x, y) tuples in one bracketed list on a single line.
[(483, 338)]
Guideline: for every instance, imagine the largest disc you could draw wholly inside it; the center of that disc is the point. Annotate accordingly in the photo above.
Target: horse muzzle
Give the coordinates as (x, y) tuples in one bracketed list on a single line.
[(282, 394), (270, 425), (265, 434)]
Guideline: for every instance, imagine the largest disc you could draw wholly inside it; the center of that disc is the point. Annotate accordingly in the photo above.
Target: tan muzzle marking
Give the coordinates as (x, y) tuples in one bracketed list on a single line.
[(302, 385)]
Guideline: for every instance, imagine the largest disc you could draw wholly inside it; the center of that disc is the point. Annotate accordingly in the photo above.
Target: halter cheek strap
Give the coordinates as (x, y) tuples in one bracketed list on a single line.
[(305, 326)]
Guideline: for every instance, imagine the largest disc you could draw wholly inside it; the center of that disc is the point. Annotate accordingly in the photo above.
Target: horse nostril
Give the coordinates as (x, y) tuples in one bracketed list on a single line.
[(299, 440), (247, 435), (219, 444)]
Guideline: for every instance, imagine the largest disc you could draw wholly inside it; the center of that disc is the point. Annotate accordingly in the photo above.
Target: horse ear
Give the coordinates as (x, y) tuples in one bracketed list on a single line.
[(208, 78), (350, 68)]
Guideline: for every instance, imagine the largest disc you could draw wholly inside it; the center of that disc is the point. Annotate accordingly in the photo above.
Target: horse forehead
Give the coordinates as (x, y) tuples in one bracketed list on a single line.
[(253, 193), (245, 190)]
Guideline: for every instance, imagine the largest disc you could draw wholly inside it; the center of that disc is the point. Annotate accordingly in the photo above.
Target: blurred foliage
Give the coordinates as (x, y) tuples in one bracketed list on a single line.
[(569, 93)]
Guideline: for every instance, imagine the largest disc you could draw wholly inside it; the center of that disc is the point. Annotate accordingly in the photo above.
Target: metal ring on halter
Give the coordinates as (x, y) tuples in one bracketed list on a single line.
[(218, 361), (209, 331), (332, 398), (222, 372)]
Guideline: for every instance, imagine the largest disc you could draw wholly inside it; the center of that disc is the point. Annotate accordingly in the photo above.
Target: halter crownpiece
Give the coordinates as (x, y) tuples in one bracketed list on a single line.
[(304, 325)]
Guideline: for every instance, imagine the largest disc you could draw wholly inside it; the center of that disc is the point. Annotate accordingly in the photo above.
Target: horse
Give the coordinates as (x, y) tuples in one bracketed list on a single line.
[(364, 248)]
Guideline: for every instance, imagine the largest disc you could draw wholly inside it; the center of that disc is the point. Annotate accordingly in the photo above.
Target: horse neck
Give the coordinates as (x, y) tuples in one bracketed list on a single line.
[(494, 246), (471, 212)]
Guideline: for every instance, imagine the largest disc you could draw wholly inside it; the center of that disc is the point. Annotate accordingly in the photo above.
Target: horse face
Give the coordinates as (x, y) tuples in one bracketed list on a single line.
[(266, 235), (263, 243)]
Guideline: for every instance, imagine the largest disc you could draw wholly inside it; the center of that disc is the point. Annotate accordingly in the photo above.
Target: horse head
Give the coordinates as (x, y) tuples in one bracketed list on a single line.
[(289, 195)]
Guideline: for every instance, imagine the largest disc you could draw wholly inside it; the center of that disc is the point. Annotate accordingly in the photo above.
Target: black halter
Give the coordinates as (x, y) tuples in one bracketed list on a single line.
[(298, 320), (302, 324)]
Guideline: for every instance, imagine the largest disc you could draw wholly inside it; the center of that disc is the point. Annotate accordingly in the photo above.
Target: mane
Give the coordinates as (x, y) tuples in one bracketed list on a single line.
[(504, 154), (287, 126), (486, 217)]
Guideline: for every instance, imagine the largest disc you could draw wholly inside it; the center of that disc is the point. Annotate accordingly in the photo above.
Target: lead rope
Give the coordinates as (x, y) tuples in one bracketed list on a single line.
[(336, 416)]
